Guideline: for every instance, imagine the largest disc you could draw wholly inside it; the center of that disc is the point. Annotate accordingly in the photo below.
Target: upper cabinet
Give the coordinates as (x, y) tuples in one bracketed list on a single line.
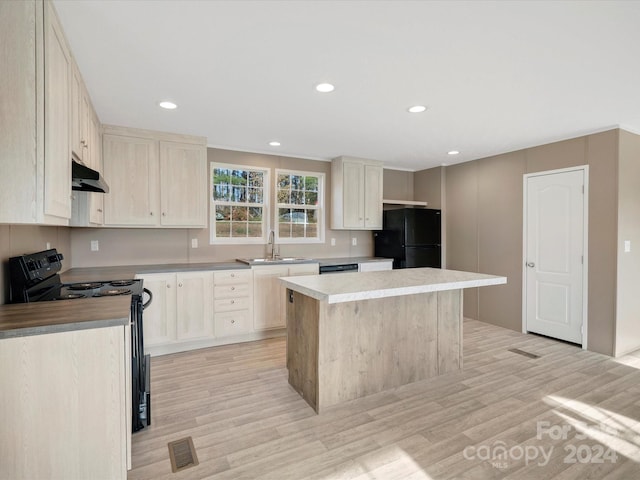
[(35, 87), (155, 179), (356, 194)]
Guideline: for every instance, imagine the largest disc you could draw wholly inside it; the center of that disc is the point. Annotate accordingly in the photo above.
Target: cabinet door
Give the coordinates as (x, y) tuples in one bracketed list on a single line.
[(131, 170), (304, 269), (76, 101), (375, 266), (373, 197), (268, 297), (160, 317), (194, 312), (183, 184), (353, 194), (57, 119), (96, 200)]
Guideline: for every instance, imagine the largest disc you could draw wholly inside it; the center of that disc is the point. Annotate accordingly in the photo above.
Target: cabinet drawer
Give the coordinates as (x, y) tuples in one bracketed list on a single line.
[(229, 304), (232, 323), (228, 277), (231, 291)]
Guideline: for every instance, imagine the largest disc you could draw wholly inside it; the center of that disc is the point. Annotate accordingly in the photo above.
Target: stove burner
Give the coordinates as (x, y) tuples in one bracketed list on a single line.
[(122, 283), (113, 292), (70, 296), (84, 286)]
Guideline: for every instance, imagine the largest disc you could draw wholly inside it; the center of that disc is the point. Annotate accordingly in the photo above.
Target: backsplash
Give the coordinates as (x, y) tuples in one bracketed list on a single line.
[(19, 239)]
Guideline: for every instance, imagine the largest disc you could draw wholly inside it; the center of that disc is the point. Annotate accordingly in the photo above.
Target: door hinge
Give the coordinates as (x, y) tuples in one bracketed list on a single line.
[(583, 189), (582, 259)]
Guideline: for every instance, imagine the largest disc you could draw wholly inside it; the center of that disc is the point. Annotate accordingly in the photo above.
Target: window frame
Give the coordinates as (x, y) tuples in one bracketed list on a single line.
[(320, 209), (266, 197)]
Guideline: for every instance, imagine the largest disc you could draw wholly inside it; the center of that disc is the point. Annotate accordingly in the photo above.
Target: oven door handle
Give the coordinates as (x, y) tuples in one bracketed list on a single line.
[(148, 302)]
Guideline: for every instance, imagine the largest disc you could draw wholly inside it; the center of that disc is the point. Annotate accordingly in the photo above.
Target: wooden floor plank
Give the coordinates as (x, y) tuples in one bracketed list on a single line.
[(248, 423)]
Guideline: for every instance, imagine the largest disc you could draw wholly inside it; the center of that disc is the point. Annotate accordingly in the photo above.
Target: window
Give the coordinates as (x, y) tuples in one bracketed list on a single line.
[(239, 197), (300, 206)]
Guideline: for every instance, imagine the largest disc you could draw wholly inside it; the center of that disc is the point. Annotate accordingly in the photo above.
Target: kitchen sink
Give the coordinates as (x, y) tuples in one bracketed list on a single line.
[(252, 261)]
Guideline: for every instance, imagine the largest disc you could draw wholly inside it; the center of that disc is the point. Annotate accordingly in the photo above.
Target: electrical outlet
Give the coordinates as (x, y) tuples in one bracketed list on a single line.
[(194, 243), (95, 246), (627, 246), (333, 242), (48, 246), (354, 241)]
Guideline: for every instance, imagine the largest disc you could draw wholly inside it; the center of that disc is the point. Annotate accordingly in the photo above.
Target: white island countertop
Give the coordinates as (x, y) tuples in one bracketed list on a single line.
[(349, 287)]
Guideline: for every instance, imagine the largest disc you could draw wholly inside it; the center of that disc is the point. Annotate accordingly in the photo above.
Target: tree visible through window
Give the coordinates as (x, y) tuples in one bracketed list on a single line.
[(238, 208), (299, 198)]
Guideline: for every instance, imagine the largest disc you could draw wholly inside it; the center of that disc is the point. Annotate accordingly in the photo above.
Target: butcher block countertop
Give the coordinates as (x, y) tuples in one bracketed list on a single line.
[(23, 319), (349, 287)]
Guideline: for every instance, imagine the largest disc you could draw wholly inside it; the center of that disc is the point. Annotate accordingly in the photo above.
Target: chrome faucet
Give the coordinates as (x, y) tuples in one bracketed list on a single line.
[(274, 254)]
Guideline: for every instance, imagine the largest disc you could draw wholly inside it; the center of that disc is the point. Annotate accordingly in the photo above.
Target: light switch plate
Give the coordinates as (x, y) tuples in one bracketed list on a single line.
[(627, 246), (95, 246), (354, 241), (333, 242), (194, 243)]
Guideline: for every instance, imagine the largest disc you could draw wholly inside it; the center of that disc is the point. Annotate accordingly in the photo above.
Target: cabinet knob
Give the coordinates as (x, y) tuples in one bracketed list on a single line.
[(180, 284), (359, 218), (100, 210), (168, 286), (233, 321), (233, 274), (151, 213), (164, 214), (232, 302), (233, 288)]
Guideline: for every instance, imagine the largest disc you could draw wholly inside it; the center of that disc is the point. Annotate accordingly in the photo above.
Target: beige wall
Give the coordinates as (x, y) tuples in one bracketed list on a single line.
[(427, 186), (19, 239), (483, 209), (126, 246), (397, 185), (627, 336)]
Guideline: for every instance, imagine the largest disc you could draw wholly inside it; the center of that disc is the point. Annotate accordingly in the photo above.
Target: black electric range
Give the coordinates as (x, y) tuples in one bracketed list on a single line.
[(34, 277)]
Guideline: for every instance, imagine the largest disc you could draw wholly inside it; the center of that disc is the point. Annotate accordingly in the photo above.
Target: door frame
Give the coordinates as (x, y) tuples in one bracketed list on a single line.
[(585, 240)]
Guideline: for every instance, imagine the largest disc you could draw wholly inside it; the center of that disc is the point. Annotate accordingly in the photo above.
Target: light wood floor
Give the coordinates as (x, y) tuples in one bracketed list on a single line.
[(247, 423)]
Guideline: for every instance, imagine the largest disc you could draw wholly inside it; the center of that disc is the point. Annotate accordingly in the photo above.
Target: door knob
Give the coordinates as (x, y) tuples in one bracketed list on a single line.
[(531, 264)]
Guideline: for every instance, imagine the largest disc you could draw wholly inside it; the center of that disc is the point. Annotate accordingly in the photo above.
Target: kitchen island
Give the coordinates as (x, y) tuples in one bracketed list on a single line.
[(355, 334)]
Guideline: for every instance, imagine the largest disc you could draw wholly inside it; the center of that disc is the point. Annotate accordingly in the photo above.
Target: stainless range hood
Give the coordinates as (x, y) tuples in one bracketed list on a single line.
[(84, 179)]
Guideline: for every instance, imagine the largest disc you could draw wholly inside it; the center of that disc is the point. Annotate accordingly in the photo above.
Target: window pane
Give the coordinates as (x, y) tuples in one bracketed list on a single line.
[(256, 179), (223, 212), (221, 192), (239, 229), (220, 176), (239, 213), (239, 177), (239, 194), (284, 196), (297, 182), (312, 216), (311, 198), (283, 181), (255, 195), (311, 184), (297, 197), (299, 216), (312, 231), (284, 214), (284, 230), (223, 229), (255, 229), (255, 214), (297, 230)]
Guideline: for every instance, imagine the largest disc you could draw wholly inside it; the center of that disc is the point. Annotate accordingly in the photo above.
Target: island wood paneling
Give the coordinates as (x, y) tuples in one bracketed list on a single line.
[(342, 351)]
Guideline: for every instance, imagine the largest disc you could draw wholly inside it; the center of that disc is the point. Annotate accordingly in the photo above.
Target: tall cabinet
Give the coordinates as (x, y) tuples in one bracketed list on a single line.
[(35, 116), (356, 194)]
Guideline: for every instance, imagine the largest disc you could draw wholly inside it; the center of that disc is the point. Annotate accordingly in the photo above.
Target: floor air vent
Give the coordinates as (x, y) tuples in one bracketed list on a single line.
[(523, 353), (182, 454)]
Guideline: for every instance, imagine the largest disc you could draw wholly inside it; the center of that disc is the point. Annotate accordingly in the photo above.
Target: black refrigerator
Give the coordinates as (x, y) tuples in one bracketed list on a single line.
[(411, 236)]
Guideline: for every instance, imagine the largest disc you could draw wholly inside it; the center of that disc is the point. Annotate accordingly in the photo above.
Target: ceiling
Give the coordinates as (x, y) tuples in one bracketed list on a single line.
[(495, 76)]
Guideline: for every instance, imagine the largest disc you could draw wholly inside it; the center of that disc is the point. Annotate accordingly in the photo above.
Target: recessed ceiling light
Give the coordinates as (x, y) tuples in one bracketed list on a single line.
[(274, 144), (168, 105), (453, 152), (325, 87), (417, 109)]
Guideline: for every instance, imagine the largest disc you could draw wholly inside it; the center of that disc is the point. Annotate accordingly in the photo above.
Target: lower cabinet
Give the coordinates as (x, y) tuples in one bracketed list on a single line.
[(233, 302), (268, 297), (66, 400), (375, 266)]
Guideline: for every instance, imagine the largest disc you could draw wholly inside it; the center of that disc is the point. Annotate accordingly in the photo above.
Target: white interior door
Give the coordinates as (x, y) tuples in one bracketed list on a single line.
[(554, 254)]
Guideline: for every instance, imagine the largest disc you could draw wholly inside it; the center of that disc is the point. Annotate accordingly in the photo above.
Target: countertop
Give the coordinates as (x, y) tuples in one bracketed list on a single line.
[(94, 274), (23, 319), (348, 287)]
